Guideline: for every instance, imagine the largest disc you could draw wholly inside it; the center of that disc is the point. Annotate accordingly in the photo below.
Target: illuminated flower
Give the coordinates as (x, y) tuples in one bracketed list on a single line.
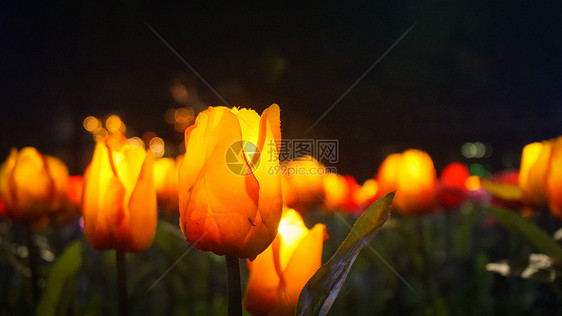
[(119, 201), (554, 179), (336, 191), (303, 184), (535, 161), (387, 176), (32, 185), (452, 185), (166, 183), (229, 181), (365, 195), (413, 176), (278, 275)]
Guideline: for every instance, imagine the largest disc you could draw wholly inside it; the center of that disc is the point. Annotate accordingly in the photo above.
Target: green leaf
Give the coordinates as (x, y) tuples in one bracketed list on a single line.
[(320, 292), (535, 235), (62, 272)]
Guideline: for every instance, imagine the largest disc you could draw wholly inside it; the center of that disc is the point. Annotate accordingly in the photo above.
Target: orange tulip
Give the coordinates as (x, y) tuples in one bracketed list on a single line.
[(554, 179), (32, 185), (387, 175), (278, 275), (229, 185), (365, 195), (413, 176), (303, 183), (335, 190), (119, 200), (166, 183), (535, 161)]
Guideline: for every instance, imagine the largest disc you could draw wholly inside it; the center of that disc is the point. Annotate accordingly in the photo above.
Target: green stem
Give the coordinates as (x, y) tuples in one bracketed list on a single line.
[(122, 284), (32, 252), (234, 286)]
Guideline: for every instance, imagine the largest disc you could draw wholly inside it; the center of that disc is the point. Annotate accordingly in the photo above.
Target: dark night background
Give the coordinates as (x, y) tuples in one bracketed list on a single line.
[(468, 71)]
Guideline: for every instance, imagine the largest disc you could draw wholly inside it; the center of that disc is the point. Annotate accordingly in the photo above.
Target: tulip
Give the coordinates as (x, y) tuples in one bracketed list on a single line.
[(350, 204), (387, 175), (229, 185), (453, 191), (413, 176), (119, 200), (278, 275), (166, 183), (365, 195), (335, 190), (554, 179), (303, 183), (535, 161), (32, 185)]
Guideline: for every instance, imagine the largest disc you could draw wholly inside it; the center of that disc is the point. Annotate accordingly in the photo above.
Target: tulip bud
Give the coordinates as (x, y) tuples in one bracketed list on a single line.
[(554, 179), (413, 176), (32, 185), (229, 181), (119, 200)]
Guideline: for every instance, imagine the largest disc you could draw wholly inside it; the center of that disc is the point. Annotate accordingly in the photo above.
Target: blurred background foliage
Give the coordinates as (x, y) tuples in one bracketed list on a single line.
[(434, 265)]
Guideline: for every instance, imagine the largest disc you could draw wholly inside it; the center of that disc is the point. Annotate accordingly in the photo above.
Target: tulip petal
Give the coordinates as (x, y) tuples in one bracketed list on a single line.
[(270, 198), (102, 202), (263, 283), (535, 187), (554, 180), (142, 208), (219, 209), (306, 259)]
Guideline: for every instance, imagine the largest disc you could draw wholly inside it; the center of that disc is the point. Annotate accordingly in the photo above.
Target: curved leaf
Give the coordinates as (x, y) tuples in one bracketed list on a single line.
[(320, 292), (62, 272), (536, 236)]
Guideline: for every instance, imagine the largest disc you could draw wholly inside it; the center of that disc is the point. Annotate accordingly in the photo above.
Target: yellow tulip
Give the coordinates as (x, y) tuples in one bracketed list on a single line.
[(535, 162), (336, 191), (229, 185), (32, 185), (119, 200), (554, 179), (278, 275), (412, 174)]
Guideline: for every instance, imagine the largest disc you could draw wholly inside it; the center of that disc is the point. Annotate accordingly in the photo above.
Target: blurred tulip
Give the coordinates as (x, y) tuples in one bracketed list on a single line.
[(387, 176), (74, 190), (32, 185), (413, 176), (166, 183), (119, 201), (278, 275), (229, 182), (350, 204), (364, 196), (452, 185), (532, 173), (336, 191), (554, 179), (303, 183)]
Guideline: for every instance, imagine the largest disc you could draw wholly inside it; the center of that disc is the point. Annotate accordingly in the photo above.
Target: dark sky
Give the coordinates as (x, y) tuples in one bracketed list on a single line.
[(469, 71)]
